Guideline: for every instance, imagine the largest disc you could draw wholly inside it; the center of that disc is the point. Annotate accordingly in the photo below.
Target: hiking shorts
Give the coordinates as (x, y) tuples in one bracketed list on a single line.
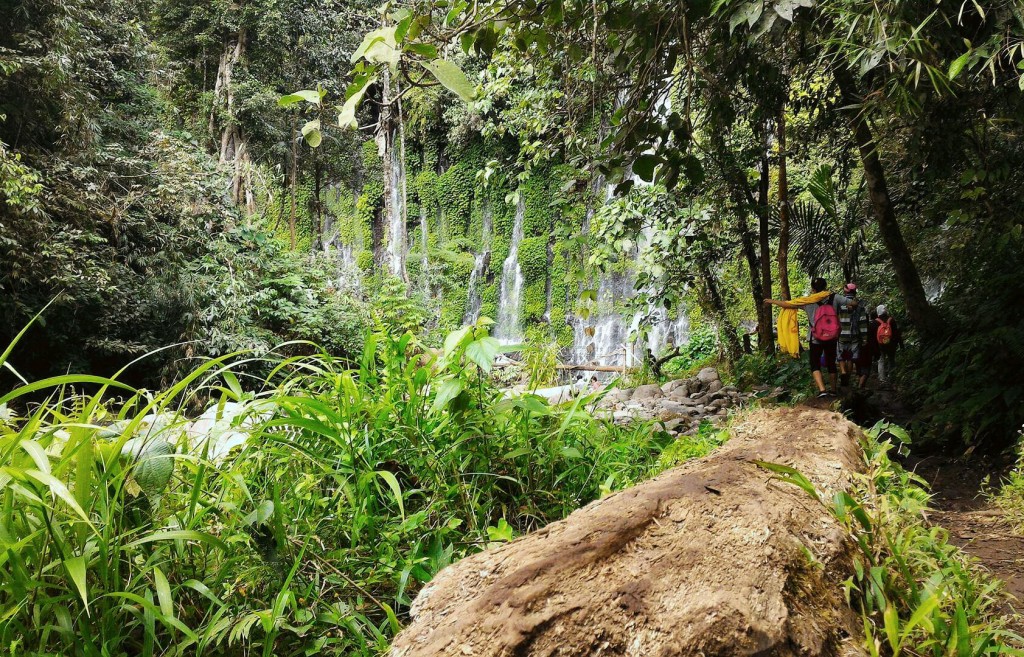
[(849, 351), (826, 349)]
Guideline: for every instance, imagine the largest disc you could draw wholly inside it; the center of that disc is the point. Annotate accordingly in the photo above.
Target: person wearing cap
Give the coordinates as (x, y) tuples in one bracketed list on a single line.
[(886, 347), (853, 329)]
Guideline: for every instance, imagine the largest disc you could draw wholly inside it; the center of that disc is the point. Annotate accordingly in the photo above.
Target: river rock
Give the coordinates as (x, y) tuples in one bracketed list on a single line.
[(714, 386), (673, 409), (608, 580), (652, 391), (672, 386), (707, 375), (619, 395), (675, 423)]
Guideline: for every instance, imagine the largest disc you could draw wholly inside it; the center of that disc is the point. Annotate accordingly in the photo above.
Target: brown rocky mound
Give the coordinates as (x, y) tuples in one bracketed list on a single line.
[(711, 558)]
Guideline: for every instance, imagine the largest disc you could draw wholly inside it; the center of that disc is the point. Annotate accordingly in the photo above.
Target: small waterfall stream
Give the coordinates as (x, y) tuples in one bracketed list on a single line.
[(608, 336), (508, 329), (480, 264), (349, 278), (424, 257)]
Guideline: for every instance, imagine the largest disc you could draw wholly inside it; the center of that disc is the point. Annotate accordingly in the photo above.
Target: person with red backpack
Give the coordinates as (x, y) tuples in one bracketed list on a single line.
[(822, 310), (889, 339)]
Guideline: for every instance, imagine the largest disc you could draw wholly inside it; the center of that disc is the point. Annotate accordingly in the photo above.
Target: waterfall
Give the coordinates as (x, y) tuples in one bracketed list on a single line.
[(397, 247), (424, 258), (507, 329), (349, 278), (480, 263), (608, 336)]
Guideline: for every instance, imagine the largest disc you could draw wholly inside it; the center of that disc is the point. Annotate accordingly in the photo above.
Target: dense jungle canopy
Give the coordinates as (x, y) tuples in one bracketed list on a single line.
[(617, 184), (160, 191)]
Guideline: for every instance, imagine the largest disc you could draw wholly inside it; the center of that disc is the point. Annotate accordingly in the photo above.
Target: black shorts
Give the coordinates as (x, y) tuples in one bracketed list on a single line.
[(828, 349)]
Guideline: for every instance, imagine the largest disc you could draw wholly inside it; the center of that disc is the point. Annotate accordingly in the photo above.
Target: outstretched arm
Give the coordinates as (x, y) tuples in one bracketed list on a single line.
[(781, 304)]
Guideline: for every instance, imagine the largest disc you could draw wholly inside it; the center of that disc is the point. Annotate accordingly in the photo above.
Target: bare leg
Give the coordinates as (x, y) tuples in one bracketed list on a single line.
[(818, 380)]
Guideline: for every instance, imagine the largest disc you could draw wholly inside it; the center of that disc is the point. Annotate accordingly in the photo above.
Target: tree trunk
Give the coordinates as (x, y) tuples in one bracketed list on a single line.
[(745, 203), (765, 336), (783, 209), (921, 313), (710, 558), (234, 147), (389, 139)]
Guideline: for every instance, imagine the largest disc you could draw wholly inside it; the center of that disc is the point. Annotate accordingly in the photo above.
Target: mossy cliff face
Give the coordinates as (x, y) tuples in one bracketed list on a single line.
[(462, 218)]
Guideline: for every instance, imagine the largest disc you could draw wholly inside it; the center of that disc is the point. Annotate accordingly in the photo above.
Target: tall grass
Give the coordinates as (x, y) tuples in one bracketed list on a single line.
[(354, 486), (916, 593)]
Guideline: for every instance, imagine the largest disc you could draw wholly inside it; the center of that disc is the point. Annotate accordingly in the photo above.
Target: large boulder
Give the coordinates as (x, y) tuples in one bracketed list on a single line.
[(651, 391), (674, 385), (707, 375), (713, 557)]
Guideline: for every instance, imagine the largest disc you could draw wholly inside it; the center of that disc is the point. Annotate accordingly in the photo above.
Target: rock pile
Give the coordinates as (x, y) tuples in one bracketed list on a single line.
[(679, 406)]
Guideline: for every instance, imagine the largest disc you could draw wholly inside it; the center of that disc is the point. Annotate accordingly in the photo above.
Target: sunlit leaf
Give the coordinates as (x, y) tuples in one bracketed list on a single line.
[(452, 77)]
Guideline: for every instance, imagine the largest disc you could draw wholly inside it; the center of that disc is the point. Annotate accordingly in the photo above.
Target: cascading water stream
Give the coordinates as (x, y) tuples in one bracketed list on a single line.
[(508, 329), (480, 264), (608, 336), (424, 257), (348, 275)]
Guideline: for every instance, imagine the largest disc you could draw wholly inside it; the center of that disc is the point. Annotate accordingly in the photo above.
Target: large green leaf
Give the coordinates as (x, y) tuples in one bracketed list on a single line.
[(392, 483), (379, 47), (311, 133), (76, 571), (483, 351), (958, 64), (452, 77), (448, 391), (309, 95), (347, 114)]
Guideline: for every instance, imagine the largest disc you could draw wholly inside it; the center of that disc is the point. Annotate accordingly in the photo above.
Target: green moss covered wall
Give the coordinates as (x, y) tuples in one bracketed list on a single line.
[(448, 187)]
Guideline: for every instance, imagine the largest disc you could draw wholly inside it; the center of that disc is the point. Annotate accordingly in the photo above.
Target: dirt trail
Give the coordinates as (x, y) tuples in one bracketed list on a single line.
[(713, 557), (974, 523)]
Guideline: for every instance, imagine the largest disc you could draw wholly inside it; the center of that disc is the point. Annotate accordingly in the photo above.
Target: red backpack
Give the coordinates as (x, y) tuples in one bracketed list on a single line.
[(826, 322), (884, 333)]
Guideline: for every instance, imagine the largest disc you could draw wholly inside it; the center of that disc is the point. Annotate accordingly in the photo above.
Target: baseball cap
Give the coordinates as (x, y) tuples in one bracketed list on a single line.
[(850, 287)]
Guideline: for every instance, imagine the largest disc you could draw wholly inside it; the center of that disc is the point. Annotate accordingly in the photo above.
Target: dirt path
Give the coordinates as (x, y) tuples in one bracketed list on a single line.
[(974, 524)]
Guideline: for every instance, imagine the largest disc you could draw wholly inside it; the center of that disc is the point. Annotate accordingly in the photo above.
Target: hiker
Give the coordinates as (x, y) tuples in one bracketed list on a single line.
[(869, 348), (889, 339), (853, 332), (822, 308), (595, 385)]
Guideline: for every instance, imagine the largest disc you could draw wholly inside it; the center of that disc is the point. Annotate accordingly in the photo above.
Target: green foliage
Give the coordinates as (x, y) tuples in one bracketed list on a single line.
[(533, 259), (20, 185), (916, 593), (352, 486), (394, 311), (1010, 496), (541, 363), (701, 349), (684, 448), (777, 369), (455, 196)]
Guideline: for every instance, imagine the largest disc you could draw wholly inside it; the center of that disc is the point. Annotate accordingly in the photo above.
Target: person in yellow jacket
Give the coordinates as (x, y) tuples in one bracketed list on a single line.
[(821, 345)]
